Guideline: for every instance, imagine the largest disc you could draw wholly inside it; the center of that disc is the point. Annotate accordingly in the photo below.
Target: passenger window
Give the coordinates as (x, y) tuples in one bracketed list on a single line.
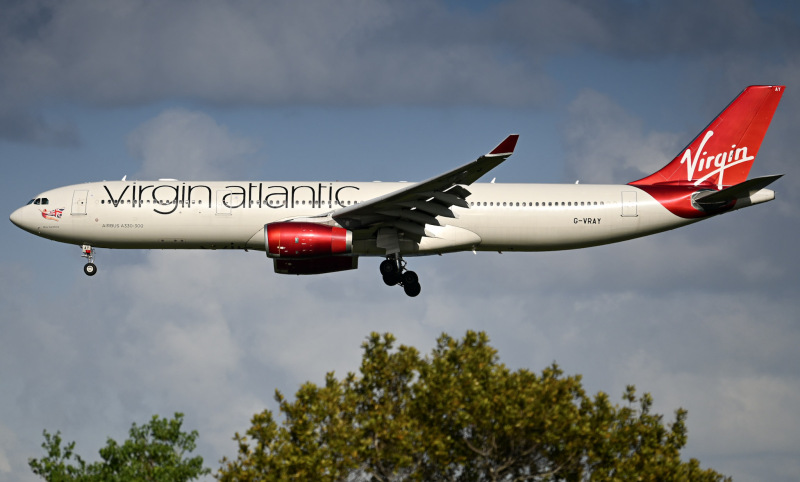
[(504, 204)]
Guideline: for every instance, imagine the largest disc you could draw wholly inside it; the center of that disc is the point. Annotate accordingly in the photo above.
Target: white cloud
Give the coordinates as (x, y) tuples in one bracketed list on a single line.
[(606, 144), (188, 145)]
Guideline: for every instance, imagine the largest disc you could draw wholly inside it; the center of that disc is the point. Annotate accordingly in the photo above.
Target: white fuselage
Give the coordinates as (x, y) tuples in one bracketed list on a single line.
[(231, 215)]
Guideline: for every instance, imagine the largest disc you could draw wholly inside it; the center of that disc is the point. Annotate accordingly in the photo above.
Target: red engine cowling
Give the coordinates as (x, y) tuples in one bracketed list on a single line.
[(306, 240)]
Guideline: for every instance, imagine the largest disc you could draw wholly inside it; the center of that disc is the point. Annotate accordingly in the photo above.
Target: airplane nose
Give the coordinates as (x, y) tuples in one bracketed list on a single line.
[(16, 217), (19, 218)]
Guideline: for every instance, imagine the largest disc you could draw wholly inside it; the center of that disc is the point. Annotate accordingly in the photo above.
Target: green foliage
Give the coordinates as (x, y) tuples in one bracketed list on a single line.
[(459, 414), (153, 452)]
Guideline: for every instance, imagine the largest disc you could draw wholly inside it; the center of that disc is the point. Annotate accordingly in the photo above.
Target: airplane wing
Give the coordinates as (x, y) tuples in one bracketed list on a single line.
[(408, 210)]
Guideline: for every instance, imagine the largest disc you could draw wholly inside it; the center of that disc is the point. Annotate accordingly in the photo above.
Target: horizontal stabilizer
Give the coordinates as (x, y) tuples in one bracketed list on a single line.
[(742, 190)]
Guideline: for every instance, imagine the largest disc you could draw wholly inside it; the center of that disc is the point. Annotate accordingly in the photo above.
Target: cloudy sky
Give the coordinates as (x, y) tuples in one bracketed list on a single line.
[(706, 317)]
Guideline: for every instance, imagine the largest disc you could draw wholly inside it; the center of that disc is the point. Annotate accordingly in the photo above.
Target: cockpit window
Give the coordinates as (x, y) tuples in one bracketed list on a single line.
[(37, 201), (45, 200), (30, 202)]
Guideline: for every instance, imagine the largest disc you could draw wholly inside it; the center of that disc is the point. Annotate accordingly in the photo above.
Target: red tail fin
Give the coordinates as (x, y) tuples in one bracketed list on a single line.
[(723, 153)]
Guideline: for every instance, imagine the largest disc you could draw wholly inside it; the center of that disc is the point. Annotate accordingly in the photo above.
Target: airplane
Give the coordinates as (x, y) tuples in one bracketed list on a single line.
[(323, 227)]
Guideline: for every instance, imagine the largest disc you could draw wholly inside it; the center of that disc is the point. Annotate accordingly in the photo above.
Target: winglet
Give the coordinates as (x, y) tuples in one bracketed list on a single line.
[(505, 148)]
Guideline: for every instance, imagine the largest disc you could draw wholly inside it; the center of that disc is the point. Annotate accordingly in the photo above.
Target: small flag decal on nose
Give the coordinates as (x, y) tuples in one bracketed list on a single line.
[(53, 214)]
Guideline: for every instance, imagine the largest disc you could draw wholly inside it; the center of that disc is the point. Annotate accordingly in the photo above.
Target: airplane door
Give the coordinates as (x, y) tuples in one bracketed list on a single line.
[(222, 206), (79, 202), (629, 204), (227, 200)]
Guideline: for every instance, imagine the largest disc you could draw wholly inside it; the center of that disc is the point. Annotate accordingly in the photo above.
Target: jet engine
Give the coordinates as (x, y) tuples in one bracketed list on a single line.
[(303, 240)]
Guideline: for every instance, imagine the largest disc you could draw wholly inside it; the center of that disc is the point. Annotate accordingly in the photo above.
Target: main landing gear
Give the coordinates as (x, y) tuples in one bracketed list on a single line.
[(89, 268), (394, 272)]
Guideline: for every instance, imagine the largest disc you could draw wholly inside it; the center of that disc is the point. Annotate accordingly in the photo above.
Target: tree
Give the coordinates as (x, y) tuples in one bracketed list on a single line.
[(459, 414), (155, 451)]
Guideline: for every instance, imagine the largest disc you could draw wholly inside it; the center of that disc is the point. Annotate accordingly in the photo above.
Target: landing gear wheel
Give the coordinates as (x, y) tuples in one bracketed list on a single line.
[(410, 278), (388, 266), (394, 272), (392, 279), (88, 252), (412, 290)]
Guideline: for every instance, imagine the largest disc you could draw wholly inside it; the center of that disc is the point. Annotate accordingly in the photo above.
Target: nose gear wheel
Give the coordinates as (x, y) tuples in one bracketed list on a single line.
[(89, 268)]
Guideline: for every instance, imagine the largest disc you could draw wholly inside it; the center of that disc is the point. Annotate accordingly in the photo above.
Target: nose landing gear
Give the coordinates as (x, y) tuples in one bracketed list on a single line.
[(89, 268), (394, 272)]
